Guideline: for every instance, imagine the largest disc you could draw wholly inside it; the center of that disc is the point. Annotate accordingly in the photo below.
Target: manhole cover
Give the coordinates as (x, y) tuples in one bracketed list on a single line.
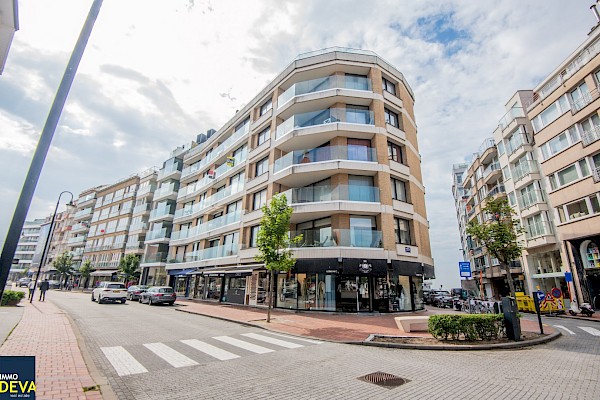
[(384, 379)]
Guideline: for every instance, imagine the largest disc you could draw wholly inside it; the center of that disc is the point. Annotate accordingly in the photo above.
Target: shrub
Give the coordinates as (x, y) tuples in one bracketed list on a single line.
[(466, 327), (12, 297)]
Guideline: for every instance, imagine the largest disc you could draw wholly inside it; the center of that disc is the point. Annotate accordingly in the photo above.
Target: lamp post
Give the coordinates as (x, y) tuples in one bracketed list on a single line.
[(48, 238)]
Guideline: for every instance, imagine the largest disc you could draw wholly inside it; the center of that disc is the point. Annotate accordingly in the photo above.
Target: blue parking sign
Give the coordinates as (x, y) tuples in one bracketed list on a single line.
[(465, 269)]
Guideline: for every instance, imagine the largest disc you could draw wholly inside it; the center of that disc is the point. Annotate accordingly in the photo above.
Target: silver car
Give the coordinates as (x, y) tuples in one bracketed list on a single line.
[(158, 295)]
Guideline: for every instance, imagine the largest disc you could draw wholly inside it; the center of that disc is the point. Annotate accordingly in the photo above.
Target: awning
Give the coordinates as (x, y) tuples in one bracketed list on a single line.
[(549, 275), (181, 272), (105, 272), (240, 270)]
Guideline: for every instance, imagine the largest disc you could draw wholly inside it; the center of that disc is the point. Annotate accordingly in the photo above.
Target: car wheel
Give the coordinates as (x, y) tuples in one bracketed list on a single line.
[(140, 300), (171, 303), (150, 303), (93, 299), (100, 300), (123, 301)]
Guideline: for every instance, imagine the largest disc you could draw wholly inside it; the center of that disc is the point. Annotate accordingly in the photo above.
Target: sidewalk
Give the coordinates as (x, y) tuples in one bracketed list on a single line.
[(325, 326), (46, 333)]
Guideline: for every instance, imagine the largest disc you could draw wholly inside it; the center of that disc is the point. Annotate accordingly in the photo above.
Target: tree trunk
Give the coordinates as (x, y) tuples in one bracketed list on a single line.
[(270, 295), (511, 285)]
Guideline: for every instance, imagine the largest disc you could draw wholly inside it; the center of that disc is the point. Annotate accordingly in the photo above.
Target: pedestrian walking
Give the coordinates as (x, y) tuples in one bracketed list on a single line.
[(31, 287), (45, 285)]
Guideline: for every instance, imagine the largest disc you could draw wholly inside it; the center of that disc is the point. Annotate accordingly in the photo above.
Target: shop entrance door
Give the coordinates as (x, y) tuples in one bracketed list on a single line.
[(347, 294), (363, 294)]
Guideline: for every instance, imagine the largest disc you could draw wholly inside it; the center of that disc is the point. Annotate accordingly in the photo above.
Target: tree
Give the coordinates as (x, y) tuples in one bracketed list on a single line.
[(64, 264), (499, 235), (85, 271), (274, 242), (129, 266)]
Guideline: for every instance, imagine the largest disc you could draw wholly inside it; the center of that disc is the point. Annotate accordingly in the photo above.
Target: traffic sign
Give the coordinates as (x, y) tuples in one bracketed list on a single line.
[(556, 293), (541, 296), (568, 277), (465, 269)]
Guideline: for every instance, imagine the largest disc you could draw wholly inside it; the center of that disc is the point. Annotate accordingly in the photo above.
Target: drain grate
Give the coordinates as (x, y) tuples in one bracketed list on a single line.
[(384, 379)]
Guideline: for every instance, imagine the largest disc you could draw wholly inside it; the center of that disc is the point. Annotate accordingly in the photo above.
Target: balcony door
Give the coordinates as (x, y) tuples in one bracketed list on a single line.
[(359, 149)]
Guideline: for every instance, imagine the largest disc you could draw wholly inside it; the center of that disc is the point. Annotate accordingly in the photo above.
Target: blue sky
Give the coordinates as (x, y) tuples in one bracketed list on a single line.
[(156, 73)]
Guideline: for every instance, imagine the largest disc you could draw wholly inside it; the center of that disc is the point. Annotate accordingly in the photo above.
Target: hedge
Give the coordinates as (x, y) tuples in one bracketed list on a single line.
[(12, 297), (466, 327)]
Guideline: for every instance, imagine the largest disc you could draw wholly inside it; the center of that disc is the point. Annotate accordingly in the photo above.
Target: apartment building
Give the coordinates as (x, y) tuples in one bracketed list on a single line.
[(82, 216), (566, 126), (28, 245), (460, 204), (483, 180), (541, 259), (335, 132), (59, 241), (139, 225), (9, 24), (109, 226)]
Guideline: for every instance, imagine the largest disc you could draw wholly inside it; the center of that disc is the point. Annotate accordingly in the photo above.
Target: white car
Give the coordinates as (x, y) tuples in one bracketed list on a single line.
[(110, 291)]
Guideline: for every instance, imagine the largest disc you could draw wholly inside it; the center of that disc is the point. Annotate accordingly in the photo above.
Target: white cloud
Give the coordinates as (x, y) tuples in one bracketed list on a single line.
[(159, 77)]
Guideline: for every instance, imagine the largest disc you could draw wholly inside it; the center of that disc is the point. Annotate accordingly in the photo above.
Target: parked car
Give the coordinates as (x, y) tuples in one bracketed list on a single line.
[(23, 282), (158, 295), (443, 299), (134, 291), (54, 284), (110, 291)]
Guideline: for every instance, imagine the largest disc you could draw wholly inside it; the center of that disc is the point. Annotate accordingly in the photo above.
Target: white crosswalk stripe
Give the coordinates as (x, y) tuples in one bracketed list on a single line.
[(591, 331), (565, 329), (294, 338), (122, 361), (171, 356), (243, 345), (211, 350), (271, 340)]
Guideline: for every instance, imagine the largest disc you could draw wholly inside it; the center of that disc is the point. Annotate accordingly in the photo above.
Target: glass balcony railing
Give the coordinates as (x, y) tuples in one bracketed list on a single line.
[(169, 169), (220, 171), (226, 250), (315, 194), (517, 141), (496, 190), (523, 169), (77, 239), (80, 227), (138, 226), (85, 198), (352, 153), (328, 237), (155, 258), (223, 147), (537, 229), (83, 213), (320, 84), (162, 211), (213, 224), (321, 117), (163, 233), (487, 144), (166, 190), (530, 198), (209, 201), (134, 245), (140, 208), (515, 112), (495, 166), (145, 189)]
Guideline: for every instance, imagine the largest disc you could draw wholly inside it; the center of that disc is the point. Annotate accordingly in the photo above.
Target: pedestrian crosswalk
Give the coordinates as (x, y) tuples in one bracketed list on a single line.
[(190, 352), (587, 329)]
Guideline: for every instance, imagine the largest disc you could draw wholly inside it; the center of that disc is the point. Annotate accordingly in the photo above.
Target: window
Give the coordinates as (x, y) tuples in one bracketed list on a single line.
[(360, 188), (237, 182), (264, 135), (402, 227), (580, 97), (244, 126), (388, 86), (396, 153), (357, 82), (500, 147), (260, 199), (359, 150), (505, 173), (254, 235), (391, 118), (559, 143), (317, 233), (266, 107), (590, 129), (399, 190), (552, 112), (262, 166), (570, 174), (357, 114)]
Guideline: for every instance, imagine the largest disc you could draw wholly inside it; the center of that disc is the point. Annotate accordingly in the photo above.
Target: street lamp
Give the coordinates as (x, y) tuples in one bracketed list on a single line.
[(48, 237)]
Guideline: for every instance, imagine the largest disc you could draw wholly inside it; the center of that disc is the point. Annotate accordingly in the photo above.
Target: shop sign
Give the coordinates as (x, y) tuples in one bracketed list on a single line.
[(365, 267), (332, 271)]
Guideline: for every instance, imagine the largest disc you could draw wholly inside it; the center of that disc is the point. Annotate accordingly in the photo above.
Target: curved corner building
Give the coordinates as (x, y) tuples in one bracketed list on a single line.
[(335, 132)]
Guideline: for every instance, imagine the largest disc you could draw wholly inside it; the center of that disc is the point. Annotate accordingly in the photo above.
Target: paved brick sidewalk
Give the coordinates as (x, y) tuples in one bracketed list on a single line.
[(332, 327), (45, 332)]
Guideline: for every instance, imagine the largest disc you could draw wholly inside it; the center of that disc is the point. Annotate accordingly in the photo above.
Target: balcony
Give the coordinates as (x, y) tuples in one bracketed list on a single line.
[(166, 191), (83, 214), (155, 258), (138, 226), (491, 171), (162, 212), (207, 227), (537, 229), (596, 174), (77, 240), (158, 234), (169, 171), (510, 116), (134, 245), (87, 200), (530, 199), (523, 169), (323, 117), (518, 140), (329, 153), (141, 208), (496, 190), (328, 237), (584, 100), (227, 250), (209, 201), (146, 189), (315, 194), (322, 84), (590, 136), (80, 227)]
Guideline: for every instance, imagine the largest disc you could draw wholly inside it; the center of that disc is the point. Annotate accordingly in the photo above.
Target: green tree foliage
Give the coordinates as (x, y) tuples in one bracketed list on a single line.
[(129, 266), (499, 235), (64, 265), (274, 241), (85, 270)]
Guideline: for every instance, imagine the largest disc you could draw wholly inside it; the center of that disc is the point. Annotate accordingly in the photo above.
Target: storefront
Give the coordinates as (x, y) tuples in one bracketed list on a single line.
[(154, 276), (103, 275), (586, 254), (180, 280)]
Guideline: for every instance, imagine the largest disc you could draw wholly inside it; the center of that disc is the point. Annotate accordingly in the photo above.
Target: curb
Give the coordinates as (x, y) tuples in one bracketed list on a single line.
[(574, 317), (458, 347)]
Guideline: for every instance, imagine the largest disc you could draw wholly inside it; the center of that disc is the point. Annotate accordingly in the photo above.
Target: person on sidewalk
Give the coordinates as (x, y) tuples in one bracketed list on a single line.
[(45, 285), (30, 286)]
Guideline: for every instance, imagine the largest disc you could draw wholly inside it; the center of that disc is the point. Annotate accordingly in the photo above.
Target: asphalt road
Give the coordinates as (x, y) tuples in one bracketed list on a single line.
[(158, 353)]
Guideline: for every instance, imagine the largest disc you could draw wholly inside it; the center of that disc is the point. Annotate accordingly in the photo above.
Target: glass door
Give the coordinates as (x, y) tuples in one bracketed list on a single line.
[(364, 293), (347, 294)]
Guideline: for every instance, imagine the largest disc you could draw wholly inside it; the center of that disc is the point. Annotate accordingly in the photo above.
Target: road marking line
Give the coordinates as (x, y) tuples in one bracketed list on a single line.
[(243, 345), (209, 349), (271, 340), (294, 338), (171, 356), (122, 361), (566, 329), (591, 331)]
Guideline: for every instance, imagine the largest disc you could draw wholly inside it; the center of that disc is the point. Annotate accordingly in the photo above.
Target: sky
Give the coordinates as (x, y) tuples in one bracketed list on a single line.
[(158, 72)]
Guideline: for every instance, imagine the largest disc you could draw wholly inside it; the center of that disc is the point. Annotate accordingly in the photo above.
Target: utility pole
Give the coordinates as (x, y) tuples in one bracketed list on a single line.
[(33, 175)]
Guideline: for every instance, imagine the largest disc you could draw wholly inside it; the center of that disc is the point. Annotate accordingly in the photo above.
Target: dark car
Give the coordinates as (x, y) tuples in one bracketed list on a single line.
[(23, 282), (158, 295), (134, 291)]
